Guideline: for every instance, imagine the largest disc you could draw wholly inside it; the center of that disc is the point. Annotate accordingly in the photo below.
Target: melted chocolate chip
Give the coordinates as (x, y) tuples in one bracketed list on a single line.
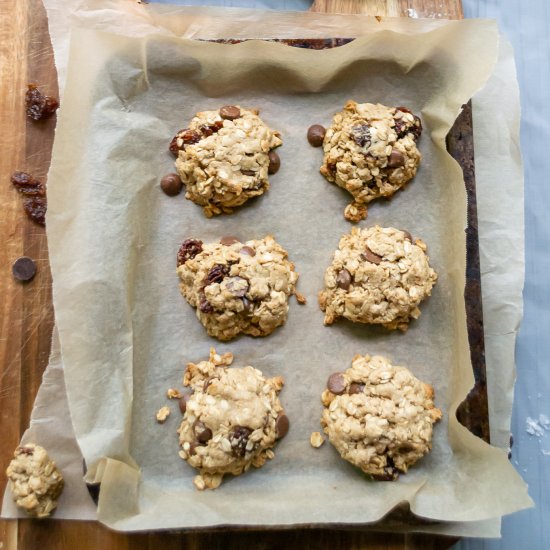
[(355, 387), (229, 240), (343, 279), (248, 306), (370, 256), (202, 432), (282, 425), (237, 286), (230, 112), (188, 250), (274, 163), (183, 402), (336, 383), (396, 159), (316, 135), (247, 251)]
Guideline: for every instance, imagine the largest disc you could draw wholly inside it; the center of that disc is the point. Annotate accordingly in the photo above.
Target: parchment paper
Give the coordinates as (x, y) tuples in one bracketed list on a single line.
[(164, 222)]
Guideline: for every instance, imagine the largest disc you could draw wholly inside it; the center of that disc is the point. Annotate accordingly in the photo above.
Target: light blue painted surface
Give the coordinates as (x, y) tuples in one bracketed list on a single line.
[(526, 23)]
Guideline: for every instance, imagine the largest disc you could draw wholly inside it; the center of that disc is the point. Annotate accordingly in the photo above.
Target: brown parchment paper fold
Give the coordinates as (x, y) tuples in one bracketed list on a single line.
[(126, 333)]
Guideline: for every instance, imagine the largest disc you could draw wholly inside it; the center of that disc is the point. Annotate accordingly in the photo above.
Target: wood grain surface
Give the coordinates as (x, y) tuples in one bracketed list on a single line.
[(26, 309)]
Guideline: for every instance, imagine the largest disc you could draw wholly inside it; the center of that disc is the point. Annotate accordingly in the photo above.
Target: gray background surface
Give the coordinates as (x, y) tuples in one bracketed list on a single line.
[(526, 24)]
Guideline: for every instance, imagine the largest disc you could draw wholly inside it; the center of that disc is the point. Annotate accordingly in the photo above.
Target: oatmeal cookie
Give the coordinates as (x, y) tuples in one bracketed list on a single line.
[(237, 287), (370, 151), (224, 158), (232, 420), (379, 416), (34, 479), (378, 275)]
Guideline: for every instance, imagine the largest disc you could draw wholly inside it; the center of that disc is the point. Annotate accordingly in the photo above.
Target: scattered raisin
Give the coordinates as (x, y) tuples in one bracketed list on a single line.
[(216, 274), (35, 207), (27, 184), (188, 250), (39, 106), (204, 305), (187, 137)]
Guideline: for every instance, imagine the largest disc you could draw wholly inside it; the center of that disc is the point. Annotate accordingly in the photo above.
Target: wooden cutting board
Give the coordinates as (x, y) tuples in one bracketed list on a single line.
[(26, 312)]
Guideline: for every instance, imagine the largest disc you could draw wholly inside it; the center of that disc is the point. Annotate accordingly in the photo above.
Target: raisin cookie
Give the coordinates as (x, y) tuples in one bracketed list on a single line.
[(378, 275), (379, 416), (224, 158), (35, 481), (237, 287), (370, 151), (232, 419)]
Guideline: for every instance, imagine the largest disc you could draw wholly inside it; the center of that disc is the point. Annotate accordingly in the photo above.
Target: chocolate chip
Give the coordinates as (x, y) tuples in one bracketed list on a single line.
[(274, 163), (343, 279), (171, 184), (331, 167), (202, 433), (247, 251), (336, 383), (239, 439), (230, 112), (248, 172), (396, 159), (238, 286), (407, 235), (24, 269), (229, 240), (188, 250), (370, 256), (248, 307), (355, 387), (183, 402), (316, 135), (361, 135), (282, 424)]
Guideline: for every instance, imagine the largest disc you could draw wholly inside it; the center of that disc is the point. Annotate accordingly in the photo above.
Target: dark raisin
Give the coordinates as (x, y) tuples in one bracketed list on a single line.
[(204, 305), (173, 147), (39, 106), (216, 274), (331, 167), (416, 130), (27, 184), (361, 135), (187, 137), (202, 432), (188, 250), (238, 439), (35, 208)]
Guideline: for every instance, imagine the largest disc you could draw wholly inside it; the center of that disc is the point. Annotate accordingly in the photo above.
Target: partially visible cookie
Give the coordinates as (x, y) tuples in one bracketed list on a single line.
[(370, 151), (224, 158), (232, 419), (379, 275), (237, 287), (379, 416), (34, 479)]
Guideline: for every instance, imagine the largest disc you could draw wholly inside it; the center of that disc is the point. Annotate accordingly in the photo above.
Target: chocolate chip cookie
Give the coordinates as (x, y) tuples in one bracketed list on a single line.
[(34, 479), (237, 287), (370, 151), (378, 275), (232, 419), (379, 416), (224, 158)]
